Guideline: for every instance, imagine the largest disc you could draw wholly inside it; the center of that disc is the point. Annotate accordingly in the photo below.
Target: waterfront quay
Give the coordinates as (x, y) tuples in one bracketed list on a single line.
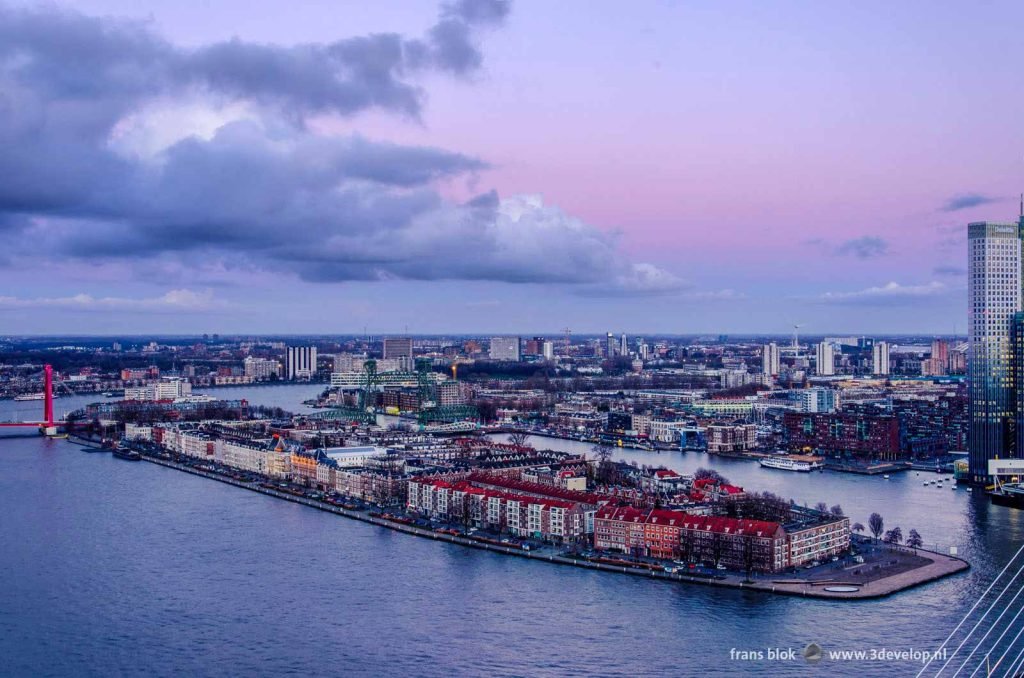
[(878, 571)]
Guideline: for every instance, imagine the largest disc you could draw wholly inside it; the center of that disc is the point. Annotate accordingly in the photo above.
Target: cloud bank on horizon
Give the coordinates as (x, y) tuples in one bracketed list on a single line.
[(119, 145)]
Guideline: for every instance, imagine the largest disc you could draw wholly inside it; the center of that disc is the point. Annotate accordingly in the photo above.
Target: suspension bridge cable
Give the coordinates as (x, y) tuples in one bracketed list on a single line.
[(1015, 665), (1006, 608), (980, 620), (1009, 647), (969, 612)]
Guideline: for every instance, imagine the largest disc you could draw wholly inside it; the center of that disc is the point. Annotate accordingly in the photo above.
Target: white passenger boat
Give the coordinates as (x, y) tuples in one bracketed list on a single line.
[(802, 464)]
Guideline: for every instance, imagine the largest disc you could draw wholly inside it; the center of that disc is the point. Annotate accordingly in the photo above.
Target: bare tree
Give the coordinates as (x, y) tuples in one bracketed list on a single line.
[(518, 438), (686, 546), (702, 473), (893, 536), (821, 507), (914, 540), (748, 554), (876, 524), (857, 527), (837, 511), (603, 452), (716, 548)]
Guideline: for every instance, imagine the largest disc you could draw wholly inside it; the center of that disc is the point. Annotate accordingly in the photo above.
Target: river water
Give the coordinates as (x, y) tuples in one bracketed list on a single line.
[(115, 568)]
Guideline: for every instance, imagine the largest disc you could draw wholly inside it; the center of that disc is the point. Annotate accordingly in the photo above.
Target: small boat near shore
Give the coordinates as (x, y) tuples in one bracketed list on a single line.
[(126, 453)]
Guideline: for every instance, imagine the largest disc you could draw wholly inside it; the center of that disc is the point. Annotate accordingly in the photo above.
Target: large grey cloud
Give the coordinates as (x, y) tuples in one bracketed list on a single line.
[(71, 57), (264, 189)]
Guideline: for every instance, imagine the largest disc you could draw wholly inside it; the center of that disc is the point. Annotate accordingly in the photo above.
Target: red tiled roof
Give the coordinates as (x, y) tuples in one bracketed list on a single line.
[(666, 517), (468, 488), (536, 488), (719, 524), (725, 525), (621, 513)]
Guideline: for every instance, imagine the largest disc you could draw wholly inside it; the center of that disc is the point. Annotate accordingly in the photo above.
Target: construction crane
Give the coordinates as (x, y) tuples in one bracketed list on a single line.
[(796, 335)]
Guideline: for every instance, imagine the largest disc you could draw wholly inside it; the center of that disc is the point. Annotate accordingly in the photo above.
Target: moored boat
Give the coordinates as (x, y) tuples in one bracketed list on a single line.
[(1008, 494), (792, 463), (126, 453)]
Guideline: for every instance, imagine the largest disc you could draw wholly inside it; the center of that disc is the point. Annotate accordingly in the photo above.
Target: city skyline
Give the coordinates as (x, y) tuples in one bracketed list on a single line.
[(705, 171), (588, 323)]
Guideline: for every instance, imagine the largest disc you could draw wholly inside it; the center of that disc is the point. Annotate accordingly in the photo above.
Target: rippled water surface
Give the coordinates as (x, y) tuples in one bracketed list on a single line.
[(111, 567)]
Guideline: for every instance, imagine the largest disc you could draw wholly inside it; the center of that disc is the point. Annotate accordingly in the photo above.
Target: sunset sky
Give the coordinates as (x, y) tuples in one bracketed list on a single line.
[(668, 167)]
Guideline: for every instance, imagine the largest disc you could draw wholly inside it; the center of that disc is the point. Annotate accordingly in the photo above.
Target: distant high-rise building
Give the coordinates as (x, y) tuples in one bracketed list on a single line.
[(825, 362), (300, 362), (548, 350), (958, 359), (623, 345), (994, 297), (770, 359), (505, 348), (611, 346), (259, 368), (817, 400), (398, 347), (534, 346), (940, 351), (880, 358), (938, 363)]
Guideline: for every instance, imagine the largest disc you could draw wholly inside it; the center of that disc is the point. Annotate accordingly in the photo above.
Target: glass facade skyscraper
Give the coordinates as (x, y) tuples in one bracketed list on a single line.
[(994, 298), (1016, 425)]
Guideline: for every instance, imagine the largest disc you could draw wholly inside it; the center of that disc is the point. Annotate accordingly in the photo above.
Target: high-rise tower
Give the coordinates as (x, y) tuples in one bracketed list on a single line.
[(994, 296), (825, 360), (880, 358), (300, 362), (770, 359)]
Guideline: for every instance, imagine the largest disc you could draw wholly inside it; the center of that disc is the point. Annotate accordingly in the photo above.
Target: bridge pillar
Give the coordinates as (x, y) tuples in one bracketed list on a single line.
[(48, 399)]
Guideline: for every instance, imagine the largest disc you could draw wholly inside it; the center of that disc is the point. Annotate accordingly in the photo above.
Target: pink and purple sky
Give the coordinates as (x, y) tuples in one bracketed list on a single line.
[(480, 165)]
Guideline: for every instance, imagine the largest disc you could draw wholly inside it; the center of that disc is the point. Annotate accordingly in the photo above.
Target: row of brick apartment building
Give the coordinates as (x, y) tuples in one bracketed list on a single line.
[(545, 518), (856, 435), (930, 425), (722, 439), (736, 543), (506, 502)]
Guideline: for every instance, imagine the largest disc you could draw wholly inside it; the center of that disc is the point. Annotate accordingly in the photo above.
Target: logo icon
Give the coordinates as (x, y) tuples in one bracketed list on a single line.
[(812, 653)]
